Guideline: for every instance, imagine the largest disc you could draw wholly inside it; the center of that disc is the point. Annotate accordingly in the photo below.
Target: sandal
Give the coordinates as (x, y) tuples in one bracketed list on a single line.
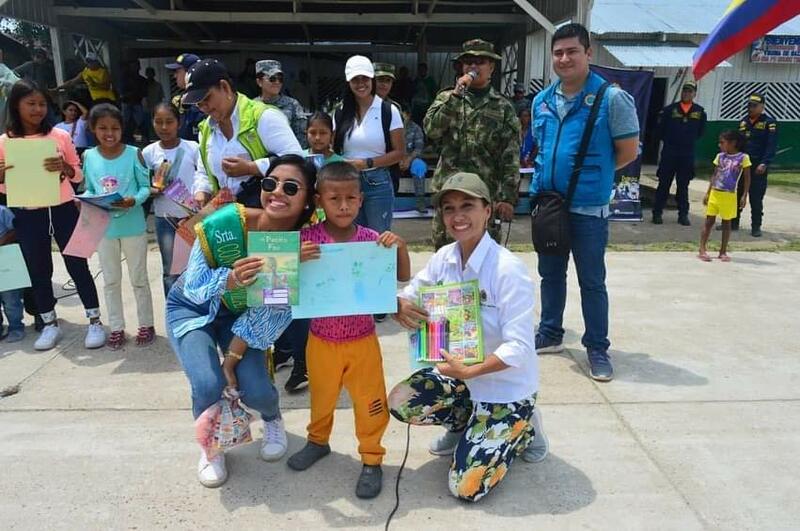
[(704, 257), (724, 258), (145, 336), (116, 339)]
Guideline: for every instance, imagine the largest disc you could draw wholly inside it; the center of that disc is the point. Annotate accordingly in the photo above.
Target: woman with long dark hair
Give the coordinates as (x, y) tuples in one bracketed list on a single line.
[(205, 310), (368, 132)]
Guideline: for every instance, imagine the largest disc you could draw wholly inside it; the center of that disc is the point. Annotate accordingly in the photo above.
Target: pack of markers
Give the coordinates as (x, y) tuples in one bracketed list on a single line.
[(454, 324)]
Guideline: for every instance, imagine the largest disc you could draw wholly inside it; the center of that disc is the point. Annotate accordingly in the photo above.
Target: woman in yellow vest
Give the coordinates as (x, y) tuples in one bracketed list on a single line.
[(206, 306), (238, 136), (97, 80)]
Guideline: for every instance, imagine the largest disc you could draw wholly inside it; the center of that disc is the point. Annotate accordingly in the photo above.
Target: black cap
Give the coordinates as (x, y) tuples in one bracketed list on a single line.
[(184, 60), (205, 74), (755, 97)]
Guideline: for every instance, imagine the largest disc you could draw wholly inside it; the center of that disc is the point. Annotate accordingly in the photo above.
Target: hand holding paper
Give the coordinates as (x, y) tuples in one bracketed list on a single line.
[(29, 181)]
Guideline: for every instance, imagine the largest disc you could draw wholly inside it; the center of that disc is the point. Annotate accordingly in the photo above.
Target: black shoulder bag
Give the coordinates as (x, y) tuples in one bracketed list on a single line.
[(550, 215)]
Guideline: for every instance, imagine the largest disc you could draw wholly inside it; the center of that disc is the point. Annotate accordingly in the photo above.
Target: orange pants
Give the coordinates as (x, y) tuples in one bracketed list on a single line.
[(358, 366)]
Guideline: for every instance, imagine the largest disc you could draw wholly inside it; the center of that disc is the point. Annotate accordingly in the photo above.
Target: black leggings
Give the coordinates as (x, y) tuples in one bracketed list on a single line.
[(32, 228)]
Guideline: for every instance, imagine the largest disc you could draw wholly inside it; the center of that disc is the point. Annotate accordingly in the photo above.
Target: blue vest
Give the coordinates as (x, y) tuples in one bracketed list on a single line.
[(559, 141)]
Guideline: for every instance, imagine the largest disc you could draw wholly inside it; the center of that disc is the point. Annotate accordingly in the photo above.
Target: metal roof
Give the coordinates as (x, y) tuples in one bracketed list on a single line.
[(654, 56), (697, 17)]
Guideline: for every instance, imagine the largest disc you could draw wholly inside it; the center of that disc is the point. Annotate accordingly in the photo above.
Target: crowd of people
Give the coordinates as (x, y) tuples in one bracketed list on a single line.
[(264, 164)]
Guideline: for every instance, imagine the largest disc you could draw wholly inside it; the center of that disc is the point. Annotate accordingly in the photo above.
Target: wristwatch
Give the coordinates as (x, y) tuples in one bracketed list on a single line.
[(370, 163)]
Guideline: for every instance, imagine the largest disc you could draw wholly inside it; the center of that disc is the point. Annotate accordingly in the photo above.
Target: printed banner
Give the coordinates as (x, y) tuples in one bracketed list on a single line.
[(776, 49), (626, 204)]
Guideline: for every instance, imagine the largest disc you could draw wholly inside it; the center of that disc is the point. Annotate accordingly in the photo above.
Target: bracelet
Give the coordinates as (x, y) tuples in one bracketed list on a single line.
[(233, 355), (236, 280)]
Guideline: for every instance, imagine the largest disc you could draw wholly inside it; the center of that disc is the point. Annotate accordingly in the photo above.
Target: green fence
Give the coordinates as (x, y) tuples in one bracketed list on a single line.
[(788, 157)]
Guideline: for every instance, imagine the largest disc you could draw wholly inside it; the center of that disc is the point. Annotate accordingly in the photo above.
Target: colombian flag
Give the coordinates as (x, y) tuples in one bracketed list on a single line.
[(743, 22)]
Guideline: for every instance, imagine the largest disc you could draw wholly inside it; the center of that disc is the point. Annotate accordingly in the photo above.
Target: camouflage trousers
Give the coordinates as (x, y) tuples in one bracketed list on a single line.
[(493, 434), (440, 237)]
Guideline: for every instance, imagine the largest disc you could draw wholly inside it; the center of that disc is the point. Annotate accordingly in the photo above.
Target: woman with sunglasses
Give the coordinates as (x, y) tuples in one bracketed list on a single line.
[(360, 136), (206, 308), (237, 138)]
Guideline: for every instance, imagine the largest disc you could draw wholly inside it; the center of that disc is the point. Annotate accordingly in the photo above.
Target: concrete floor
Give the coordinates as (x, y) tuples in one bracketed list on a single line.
[(699, 430)]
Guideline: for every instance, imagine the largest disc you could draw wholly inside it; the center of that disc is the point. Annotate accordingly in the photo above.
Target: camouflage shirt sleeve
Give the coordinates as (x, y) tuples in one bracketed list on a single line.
[(509, 160), (442, 115), (299, 123)]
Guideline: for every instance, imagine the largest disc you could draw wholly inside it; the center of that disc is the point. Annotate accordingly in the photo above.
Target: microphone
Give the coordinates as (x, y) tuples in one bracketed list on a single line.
[(462, 88)]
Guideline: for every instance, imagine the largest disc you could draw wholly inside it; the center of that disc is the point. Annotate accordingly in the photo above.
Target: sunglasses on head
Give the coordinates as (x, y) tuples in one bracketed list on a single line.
[(270, 184)]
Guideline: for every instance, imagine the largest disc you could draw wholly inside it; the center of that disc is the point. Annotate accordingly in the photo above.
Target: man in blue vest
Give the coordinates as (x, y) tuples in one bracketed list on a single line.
[(680, 125), (559, 115)]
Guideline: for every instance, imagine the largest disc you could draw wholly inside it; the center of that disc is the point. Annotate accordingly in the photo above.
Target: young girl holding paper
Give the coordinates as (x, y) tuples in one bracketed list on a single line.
[(487, 408), (36, 227), (115, 167), (172, 161)]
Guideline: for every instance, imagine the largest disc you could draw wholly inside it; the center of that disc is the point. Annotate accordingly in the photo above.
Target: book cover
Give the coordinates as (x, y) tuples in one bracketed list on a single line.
[(454, 324), (278, 282), (103, 201)]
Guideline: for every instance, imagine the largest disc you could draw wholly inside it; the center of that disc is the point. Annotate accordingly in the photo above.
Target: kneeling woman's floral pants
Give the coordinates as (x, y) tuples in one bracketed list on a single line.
[(494, 434)]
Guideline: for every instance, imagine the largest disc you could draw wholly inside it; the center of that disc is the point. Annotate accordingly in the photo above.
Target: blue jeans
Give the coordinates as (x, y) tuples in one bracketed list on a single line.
[(12, 306), (198, 353), (589, 238), (165, 234), (376, 212)]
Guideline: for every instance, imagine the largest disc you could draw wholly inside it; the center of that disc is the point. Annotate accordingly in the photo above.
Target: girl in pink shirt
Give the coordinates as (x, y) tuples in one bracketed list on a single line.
[(36, 227)]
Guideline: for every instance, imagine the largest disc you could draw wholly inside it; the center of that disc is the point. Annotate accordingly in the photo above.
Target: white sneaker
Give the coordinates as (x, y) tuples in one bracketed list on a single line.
[(275, 444), (95, 336), (446, 443), (539, 447), (212, 472), (48, 338)]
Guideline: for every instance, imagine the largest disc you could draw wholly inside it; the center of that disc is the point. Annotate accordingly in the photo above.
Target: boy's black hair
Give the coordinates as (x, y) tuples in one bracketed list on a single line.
[(22, 89), (105, 110), (338, 172), (732, 135), (568, 31)]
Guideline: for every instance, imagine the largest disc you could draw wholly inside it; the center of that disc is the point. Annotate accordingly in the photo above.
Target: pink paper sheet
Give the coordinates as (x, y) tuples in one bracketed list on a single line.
[(90, 229)]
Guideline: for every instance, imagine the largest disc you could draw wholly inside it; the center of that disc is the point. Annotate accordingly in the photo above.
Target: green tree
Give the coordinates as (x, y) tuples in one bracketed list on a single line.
[(26, 32)]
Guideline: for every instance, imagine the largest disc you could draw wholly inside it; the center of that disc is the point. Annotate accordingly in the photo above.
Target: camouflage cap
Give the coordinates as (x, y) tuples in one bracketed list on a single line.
[(467, 183), (691, 85), (384, 69), (479, 48), (269, 67)]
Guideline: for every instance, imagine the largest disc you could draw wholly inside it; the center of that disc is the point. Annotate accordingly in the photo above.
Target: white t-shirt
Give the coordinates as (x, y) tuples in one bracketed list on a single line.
[(366, 138), (154, 155), (79, 138)]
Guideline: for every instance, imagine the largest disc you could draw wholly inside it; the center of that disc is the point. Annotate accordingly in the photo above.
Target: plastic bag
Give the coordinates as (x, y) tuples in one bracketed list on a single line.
[(224, 425)]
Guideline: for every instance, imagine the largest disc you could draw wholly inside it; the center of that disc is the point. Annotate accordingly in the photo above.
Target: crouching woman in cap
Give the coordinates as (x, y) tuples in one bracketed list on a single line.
[(488, 408), (238, 137)]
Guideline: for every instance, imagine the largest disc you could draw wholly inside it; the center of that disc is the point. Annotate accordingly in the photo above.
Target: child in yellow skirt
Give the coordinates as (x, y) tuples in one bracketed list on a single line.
[(729, 166), (344, 351)]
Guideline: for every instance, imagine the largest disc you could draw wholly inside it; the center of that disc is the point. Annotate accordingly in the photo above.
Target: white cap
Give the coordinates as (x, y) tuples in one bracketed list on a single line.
[(358, 65)]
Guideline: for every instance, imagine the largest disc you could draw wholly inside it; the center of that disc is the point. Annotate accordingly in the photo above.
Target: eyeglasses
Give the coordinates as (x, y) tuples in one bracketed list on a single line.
[(275, 79), (271, 184)]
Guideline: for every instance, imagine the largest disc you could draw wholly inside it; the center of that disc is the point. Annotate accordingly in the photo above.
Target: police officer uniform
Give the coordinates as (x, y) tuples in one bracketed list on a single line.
[(762, 142), (679, 127), (190, 115)]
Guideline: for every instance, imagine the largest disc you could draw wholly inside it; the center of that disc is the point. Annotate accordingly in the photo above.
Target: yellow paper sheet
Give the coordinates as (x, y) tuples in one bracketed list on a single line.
[(28, 184)]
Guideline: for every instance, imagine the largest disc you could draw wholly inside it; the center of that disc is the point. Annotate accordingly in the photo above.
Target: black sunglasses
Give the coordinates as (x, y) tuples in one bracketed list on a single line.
[(270, 184)]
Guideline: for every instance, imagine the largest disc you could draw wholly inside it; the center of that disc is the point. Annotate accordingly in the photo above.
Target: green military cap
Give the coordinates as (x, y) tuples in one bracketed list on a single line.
[(467, 183), (384, 69), (479, 48), (691, 85)]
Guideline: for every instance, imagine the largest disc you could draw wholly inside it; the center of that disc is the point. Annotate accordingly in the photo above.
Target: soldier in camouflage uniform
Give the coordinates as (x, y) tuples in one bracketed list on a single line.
[(477, 131), (269, 76)]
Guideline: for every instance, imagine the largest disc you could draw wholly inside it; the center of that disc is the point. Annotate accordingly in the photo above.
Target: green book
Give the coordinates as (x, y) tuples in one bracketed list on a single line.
[(277, 283)]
